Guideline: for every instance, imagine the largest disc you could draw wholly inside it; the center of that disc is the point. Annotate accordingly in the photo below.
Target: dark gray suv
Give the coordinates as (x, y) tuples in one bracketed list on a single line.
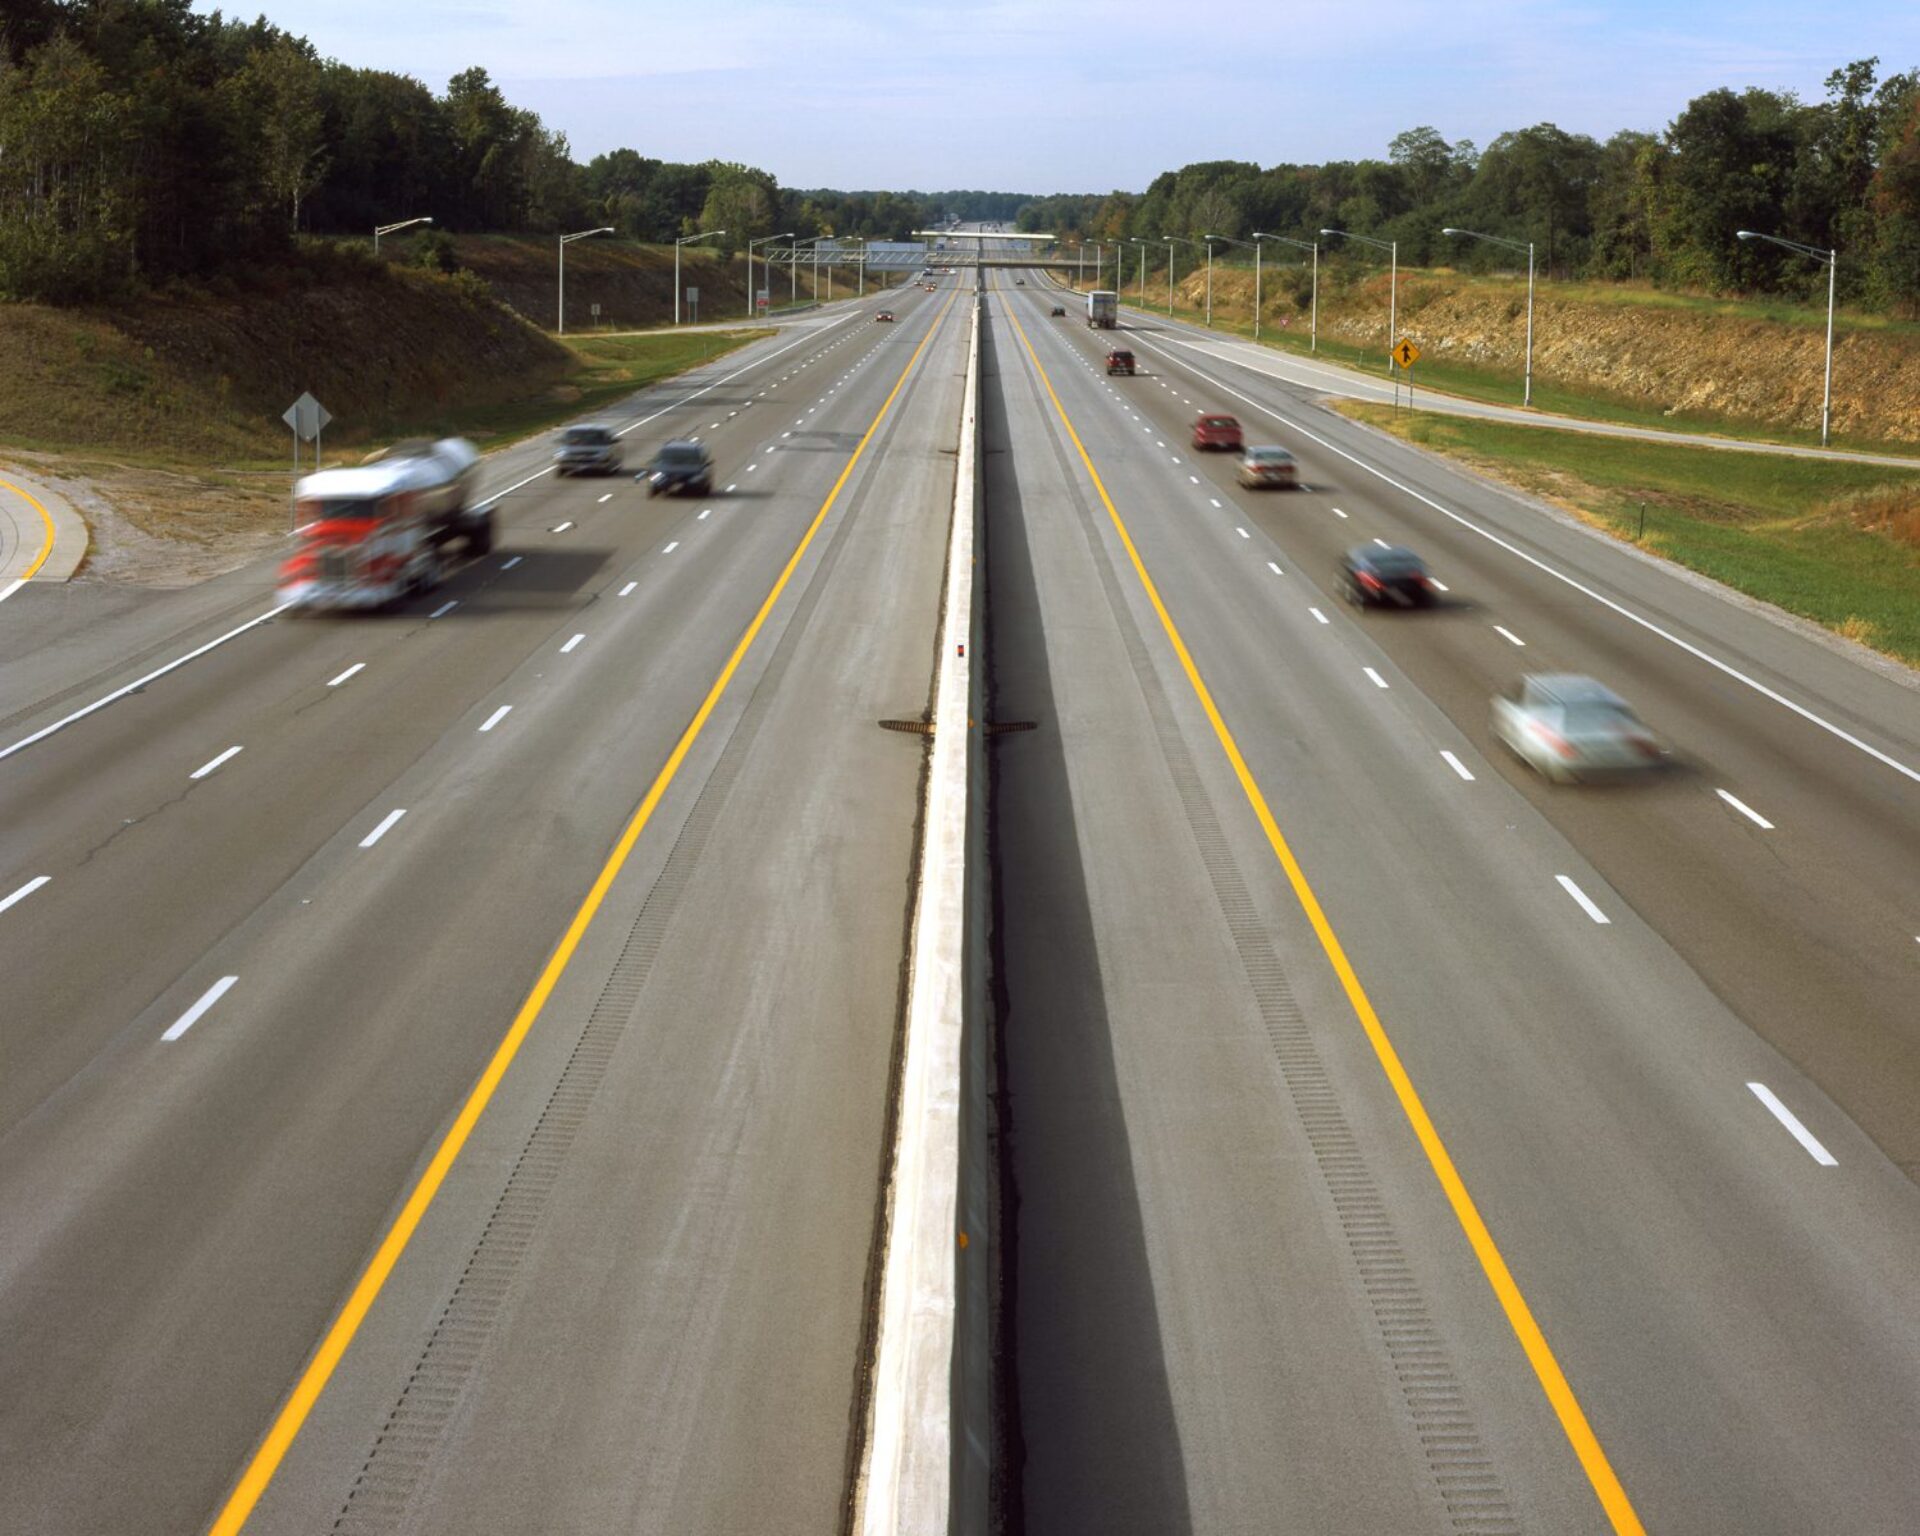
[(590, 450)]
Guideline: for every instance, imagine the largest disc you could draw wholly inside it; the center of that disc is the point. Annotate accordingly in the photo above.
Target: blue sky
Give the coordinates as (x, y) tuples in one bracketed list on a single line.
[(1068, 95)]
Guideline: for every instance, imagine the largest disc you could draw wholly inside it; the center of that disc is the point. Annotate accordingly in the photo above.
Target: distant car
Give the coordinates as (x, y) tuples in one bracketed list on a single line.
[(1019, 282), (1262, 467), (1213, 430), (1566, 726), (885, 314), (1057, 311), (588, 449), (1119, 360), (1394, 577), (681, 465)]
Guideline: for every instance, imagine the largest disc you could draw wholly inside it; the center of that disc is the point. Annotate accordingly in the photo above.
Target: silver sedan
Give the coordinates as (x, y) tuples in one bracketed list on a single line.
[(1565, 726)]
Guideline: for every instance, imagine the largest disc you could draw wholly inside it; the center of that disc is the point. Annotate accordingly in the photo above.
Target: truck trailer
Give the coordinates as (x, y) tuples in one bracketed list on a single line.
[(382, 530), (1103, 308)]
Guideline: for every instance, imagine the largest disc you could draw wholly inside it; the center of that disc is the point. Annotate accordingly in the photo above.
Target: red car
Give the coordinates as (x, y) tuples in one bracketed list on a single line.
[(1216, 431), (1120, 360)]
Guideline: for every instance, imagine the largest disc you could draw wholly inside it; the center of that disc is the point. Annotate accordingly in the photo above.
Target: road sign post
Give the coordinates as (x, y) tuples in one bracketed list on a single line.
[(1406, 354), (307, 416)]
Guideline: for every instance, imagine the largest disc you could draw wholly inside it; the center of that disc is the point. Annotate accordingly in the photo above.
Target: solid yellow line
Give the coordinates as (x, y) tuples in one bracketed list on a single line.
[(273, 1449), (45, 517), (1600, 1473)]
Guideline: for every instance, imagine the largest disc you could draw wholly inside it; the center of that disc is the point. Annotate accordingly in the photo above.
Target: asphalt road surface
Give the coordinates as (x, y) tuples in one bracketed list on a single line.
[(1416, 1184), (257, 986), (1399, 1144)]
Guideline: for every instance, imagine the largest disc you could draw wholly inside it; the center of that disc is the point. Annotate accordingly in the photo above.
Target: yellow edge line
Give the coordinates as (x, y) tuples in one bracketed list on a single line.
[(1600, 1473), (313, 1381), (45, 517)]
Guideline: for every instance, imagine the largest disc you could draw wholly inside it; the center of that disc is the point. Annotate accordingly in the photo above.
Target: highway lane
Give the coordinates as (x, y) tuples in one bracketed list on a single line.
[(1232, 1245), (1806, 925), (183, 1217)]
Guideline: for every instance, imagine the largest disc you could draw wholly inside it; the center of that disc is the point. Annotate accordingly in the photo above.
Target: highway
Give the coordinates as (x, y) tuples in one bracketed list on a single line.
[(449, 1053), (1396, 1167), (250, 991)]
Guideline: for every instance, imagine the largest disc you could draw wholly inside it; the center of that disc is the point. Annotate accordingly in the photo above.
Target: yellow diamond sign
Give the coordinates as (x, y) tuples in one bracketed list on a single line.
[(1406, 354)]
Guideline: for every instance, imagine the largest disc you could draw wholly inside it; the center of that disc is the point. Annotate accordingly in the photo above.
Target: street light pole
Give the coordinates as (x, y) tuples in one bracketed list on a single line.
[(1209, 285), (1313, 334), (752, 293), (1141, 241), (1392, 247), (1254, 244), (1526, 393), (565, 241), (1832, 259), (388, 229), (705, 234)]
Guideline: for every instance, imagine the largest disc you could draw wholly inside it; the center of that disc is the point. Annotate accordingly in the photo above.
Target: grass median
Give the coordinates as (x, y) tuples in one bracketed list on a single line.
[(1832, 542)]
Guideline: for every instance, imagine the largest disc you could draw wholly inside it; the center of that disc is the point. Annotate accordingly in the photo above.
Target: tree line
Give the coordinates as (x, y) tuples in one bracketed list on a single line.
[(140, 141), (1840, 174)]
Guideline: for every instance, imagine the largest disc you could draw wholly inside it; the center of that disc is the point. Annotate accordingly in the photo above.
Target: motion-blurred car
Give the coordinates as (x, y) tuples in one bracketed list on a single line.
[(1120, 360), (1212, 430), (589, 449), (1019, 282), (681, 465), (1566, 726), (1263, 467), (885, 314), (1394, 577), (1057, 311)]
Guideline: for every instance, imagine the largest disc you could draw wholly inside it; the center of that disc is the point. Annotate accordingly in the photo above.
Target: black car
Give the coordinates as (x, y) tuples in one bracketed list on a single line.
[(681, 465), (588, 449), (1393, 577), (1057, 311)]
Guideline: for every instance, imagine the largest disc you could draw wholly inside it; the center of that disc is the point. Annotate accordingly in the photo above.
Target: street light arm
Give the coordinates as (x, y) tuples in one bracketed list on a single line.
[(1474, 234), (1793, 245)]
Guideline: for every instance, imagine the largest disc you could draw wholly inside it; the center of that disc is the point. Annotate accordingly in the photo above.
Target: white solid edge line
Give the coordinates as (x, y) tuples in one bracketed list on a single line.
[(386, 825), (1508, 635), (335, 682), (497, 716), (12, 587), (1746, 810), (135, 686), (1791, 1121), (1457, 766), (24, 892), (1378, 680), (206, 768), (1726, 668), (191, 1017), (1586, 902), (571, 644), (628, 588)]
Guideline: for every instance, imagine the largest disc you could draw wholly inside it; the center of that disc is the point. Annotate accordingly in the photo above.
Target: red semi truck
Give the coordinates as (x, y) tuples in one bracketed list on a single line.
[(381, 531)]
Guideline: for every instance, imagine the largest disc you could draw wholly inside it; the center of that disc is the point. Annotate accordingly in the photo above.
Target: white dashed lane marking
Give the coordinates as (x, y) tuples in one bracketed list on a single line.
[(192, 1016), (1746, 810), (1791, 1121), (386, 825), (497, 716), (24, 892), (1457, 766), (1586, 902), (335, 682), (206, 768)]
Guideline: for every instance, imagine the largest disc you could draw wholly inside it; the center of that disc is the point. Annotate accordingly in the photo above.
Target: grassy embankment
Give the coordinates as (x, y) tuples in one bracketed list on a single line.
[(166, 410), (1611, 352), (1836, 543)]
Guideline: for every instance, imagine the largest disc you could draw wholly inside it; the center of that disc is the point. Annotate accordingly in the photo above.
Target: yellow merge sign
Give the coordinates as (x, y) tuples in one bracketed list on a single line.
[(1406, 354)]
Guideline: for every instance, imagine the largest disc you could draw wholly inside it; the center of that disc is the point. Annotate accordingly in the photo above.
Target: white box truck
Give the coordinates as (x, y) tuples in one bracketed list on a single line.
[(1103, 308)]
